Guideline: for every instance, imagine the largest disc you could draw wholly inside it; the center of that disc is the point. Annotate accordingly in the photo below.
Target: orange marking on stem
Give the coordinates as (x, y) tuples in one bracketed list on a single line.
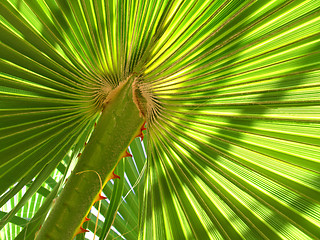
[(99, 197), (114, 176), (143, 127), (126, 154), (79, 154), (81, 230), (141, 135)]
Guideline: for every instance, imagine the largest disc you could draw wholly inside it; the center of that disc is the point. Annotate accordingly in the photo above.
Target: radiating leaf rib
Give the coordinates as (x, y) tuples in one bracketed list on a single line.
[(32, 227), (22, 164), (13, 16), (16, 220)]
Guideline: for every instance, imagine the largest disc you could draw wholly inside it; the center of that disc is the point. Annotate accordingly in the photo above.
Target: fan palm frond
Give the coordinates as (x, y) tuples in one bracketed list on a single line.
[(229, 90)]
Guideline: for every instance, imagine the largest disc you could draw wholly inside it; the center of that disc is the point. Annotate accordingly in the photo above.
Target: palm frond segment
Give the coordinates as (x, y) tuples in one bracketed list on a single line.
[(234, 150)]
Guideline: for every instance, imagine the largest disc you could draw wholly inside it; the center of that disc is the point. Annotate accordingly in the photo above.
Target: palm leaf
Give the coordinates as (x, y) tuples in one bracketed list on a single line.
[(232, 103)]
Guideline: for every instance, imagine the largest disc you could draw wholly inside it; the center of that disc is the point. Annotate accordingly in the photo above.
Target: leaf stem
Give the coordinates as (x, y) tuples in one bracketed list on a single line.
[(118, 125)]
